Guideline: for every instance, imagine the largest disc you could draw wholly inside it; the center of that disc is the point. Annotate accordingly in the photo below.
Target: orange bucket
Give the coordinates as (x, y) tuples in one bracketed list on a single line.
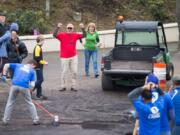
[(159, 69)]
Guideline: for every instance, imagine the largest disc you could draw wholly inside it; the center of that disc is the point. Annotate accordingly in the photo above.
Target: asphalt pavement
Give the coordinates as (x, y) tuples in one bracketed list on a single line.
[(90, 111)]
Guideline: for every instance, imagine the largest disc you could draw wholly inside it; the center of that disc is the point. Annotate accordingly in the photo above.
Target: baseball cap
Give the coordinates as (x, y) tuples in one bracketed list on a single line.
[(176, 79), (70, 25), (152, 78)]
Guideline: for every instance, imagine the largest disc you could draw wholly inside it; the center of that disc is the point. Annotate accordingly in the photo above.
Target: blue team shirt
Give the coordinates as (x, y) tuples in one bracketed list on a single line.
[(149, 117), (167, 106), (175, 96), (23, 75)]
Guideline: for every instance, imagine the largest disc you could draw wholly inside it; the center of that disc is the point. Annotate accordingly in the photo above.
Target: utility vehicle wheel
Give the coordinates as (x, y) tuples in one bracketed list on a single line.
[(107, 83)]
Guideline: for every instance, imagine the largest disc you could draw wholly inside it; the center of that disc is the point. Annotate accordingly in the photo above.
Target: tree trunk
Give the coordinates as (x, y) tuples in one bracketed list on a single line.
[(178, 20), (47, 9)]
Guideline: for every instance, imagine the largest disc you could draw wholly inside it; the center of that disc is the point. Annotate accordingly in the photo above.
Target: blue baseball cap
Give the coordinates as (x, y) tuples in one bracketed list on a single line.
[(152, 78)]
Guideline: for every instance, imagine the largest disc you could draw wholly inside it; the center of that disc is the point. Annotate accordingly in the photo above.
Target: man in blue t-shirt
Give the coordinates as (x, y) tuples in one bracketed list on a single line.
[(175, 96), (148, 112), (167, 113), (23, 80)]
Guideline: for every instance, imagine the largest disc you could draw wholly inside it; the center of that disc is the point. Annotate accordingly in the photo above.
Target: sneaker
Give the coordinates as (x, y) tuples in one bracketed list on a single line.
[(36, 123), (5, 123), (73, 89), (96, 76), (41, 97), (36, 98), (63, 89)]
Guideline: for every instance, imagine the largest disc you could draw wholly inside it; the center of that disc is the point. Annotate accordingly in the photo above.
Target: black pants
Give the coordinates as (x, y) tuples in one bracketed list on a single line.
[(40, 79), (3, 61)]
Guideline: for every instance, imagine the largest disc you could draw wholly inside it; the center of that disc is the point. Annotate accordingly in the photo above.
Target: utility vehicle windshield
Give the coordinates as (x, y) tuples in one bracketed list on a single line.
[(145, 38)]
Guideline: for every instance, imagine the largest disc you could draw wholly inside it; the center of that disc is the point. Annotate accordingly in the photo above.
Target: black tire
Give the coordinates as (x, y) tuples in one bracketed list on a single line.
[(170, 71), (107, 83)]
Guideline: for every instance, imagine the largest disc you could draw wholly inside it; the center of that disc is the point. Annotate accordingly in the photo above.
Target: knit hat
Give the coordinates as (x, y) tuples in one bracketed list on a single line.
[(14, 27), (152, 78)]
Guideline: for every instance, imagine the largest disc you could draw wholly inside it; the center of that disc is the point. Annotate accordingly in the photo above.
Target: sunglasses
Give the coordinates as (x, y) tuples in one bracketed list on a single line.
[(70, 28)]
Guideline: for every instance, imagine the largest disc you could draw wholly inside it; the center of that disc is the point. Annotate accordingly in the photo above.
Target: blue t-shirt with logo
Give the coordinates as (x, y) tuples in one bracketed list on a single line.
[(175, 96), (167, 106), (149, 117), (23, 75)]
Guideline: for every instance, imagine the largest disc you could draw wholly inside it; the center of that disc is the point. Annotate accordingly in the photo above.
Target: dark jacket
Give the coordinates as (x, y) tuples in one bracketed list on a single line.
[(6, 38), (16, 52), (2, 29)]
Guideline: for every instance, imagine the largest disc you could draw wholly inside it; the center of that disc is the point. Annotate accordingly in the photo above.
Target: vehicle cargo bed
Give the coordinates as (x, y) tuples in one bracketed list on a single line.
[(131, 65)]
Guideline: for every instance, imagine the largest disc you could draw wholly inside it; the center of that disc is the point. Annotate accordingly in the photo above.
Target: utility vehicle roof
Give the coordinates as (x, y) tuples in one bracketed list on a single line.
[(138, 25)]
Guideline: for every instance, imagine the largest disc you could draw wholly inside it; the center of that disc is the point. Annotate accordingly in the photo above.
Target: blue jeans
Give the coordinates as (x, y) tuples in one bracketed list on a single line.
[(88, 54), (39, 81)]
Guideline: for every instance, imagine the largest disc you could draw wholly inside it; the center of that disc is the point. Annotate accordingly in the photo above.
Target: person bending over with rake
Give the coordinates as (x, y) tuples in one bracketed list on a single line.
[(22, 81)]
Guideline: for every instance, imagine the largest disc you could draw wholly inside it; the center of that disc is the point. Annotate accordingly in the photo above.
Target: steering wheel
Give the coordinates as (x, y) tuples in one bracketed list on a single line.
[(133, 43)]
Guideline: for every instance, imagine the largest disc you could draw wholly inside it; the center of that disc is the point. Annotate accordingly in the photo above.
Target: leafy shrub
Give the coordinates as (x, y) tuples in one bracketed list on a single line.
[(28, 20), (157, 8)]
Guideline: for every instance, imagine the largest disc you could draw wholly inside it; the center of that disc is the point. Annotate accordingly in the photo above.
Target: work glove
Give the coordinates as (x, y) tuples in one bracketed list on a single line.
[(4, 79)]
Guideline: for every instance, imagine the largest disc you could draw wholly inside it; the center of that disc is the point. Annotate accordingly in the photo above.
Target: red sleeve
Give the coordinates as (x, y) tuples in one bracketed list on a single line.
[(79, 36), (59, 35)]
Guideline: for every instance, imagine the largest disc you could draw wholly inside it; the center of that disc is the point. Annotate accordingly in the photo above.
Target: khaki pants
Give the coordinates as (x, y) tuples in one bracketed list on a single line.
[(69, 67)]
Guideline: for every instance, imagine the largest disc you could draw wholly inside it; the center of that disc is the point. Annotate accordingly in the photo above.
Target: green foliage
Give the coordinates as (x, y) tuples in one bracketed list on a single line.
[(157, 8), (142, 2), (28, 20), (102, 7), (102, 12)]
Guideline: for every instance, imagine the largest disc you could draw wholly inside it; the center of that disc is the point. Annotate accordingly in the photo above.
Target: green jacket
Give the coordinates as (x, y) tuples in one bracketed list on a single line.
[(91, 40)]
